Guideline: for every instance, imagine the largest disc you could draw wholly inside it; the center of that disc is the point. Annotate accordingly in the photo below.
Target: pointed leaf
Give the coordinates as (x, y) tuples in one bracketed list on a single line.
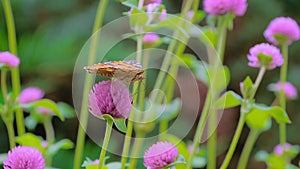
[(228, 100), (67, 110), (168, 111), (199, 162), (218, 77), (120, 124), (64, 144)]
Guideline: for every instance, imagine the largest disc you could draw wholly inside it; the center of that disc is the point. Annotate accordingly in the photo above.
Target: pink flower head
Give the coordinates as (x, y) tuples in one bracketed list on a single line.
[(152, 8), (45, 144), (265, 55), (23, 157), (163, 15), (30, 94), (279, 149), (190, 14), (9, 59), (110, 97), (96, 161), (160, 155), (289, 90), (147, 2), (285, 27), (150, 38), (219, 7), (238, 7)]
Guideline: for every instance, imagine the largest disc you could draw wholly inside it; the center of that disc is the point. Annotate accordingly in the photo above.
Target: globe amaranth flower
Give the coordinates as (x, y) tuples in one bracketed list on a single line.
[(265, 55), (110, 97), (150, 38), (23, 157), (160, 155), (280, 149), (8, 59), (31, 94), (219, 7), (282, 28), (290, 91)]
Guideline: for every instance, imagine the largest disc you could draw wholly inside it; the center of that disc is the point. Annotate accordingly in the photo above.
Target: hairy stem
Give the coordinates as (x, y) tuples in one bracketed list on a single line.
[(87, 86)]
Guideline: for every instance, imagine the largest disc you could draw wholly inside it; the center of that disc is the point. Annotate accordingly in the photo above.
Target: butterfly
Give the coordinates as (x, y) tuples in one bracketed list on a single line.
[(129, 70)]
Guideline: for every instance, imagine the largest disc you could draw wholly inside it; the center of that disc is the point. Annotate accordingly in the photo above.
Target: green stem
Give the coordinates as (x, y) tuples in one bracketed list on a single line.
[(234, 142), (109, 125), (50, 136), (11, 134), (87, 86), (200, 128), (212, 121), (253, 135), (15, 71), (3, 85), (282, 99), (136, 149)]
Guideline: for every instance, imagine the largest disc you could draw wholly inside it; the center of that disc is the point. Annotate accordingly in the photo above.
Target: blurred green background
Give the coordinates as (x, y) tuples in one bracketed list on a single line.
[(51, 34)]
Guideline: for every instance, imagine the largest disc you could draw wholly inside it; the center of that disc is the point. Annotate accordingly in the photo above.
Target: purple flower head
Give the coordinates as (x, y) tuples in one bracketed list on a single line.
[(30, 94), (265, 55), (23, 157), (44, 111), (9, 59), (190, 14), (238, 7), (289, 90), (152, 8), (160, 155), (147, 2), (150, 38), (110, 97), (284, 27), (163, 15), (279, 149), (45, 144), (219, 7)]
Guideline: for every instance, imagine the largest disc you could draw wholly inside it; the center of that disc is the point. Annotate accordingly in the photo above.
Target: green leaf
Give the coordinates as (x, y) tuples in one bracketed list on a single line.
[(168, 111), (66, 110), (181, 146), (290, 166), (46, 103), (29, 139), (2, 158), (119, 123), (258, 119), (64, 144), (209, 36), (228, 100), (275, 162), (180, 160), (218, 77), (114, 165), (200, 15), (130, 3), (247, 86), (31, 122), (279, 115), (261, 155), (199, 162), (138, 18)]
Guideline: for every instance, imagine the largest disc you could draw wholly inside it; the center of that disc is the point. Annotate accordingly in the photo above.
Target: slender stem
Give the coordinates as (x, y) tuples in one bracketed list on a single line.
[(136, 149), (282, 99), (141, 3), (87, 86), (234, 142), (15, 71), (50, 136), (253, 135), (200, 128), (212, 141), (11, 134), (109, 124), (3, 85)]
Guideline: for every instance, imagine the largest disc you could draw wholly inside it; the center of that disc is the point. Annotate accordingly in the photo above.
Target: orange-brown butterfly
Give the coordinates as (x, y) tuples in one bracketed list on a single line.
[(129, 70)]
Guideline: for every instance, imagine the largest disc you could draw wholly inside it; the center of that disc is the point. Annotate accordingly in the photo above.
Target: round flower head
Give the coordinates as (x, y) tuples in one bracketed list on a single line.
[(6, 58), (163, 15), (284, 28), (30, 94), (279, 149), (289, 90), (23, 157), (110, 97), (160, 155), (265, 55), (238, 7), (216, 7), (150, 38)]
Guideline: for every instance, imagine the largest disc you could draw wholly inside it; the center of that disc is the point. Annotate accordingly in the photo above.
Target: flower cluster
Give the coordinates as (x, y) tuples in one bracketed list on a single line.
[(110, 97), (160, 155), (219, 7), (23, 157)]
